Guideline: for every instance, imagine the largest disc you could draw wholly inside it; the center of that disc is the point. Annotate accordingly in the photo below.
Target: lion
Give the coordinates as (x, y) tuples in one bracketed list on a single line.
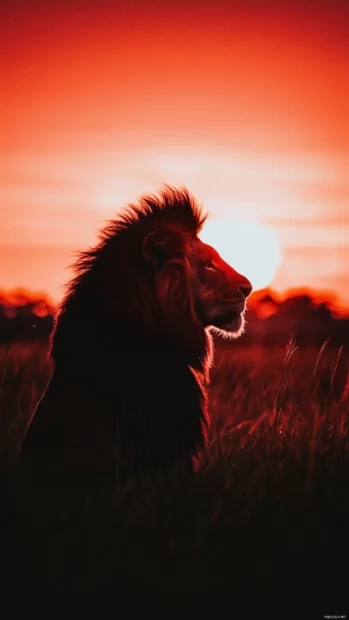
[(132, 346)]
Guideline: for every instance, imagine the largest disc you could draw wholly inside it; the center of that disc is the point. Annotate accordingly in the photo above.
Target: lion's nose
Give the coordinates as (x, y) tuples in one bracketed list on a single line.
[(245, 288)]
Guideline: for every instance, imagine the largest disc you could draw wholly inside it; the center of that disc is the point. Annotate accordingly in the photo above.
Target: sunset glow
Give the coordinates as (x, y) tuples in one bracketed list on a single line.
[(249, 247), (245, 103)]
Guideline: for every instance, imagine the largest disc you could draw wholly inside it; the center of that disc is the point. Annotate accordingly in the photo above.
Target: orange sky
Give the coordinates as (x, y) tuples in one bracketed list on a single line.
[(246, 103)]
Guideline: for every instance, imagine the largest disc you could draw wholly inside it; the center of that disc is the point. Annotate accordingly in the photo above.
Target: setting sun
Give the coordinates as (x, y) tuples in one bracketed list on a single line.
[(249, 247)]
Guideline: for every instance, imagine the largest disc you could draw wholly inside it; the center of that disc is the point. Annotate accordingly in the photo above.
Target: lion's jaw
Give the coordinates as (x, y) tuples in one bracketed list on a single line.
[(229, 324)]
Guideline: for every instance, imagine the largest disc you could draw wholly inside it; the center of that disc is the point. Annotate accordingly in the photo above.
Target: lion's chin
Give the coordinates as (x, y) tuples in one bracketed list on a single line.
[(230, 329)]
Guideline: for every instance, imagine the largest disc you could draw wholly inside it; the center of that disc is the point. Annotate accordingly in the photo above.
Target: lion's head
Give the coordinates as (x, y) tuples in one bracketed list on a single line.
[(156, 280), (195, 287), (216, 292)]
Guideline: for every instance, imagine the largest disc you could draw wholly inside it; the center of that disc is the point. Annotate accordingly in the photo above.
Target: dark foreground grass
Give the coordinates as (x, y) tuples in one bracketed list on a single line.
[(265, 515)]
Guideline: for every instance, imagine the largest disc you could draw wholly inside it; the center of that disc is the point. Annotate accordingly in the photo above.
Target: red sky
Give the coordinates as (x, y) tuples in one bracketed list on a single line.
[(246, 103)]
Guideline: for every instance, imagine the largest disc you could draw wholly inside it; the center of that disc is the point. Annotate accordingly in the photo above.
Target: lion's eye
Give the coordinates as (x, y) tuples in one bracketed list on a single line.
[(209, 265)]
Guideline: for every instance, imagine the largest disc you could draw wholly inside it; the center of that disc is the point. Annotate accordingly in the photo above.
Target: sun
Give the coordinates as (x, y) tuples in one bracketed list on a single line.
[(248, 246)]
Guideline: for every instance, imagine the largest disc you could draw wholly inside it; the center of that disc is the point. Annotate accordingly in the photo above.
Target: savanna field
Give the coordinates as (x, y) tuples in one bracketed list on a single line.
[(265, 515)]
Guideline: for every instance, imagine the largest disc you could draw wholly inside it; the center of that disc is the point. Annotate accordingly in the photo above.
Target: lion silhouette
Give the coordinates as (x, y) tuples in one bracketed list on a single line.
[(131, 348)]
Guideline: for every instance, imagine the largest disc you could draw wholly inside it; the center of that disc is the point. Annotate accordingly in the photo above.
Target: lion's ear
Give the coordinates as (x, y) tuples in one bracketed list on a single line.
[(157, 247)]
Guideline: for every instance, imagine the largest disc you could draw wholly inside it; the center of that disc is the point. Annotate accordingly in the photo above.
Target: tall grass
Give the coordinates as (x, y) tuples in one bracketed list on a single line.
[(266, 509)]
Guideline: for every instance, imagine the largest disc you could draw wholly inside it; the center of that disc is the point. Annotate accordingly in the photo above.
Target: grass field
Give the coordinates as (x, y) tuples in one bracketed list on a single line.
[(267, 511)]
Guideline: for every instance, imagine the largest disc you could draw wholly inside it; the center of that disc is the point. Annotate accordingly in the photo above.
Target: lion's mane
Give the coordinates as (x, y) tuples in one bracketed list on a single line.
[(128, 390)]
